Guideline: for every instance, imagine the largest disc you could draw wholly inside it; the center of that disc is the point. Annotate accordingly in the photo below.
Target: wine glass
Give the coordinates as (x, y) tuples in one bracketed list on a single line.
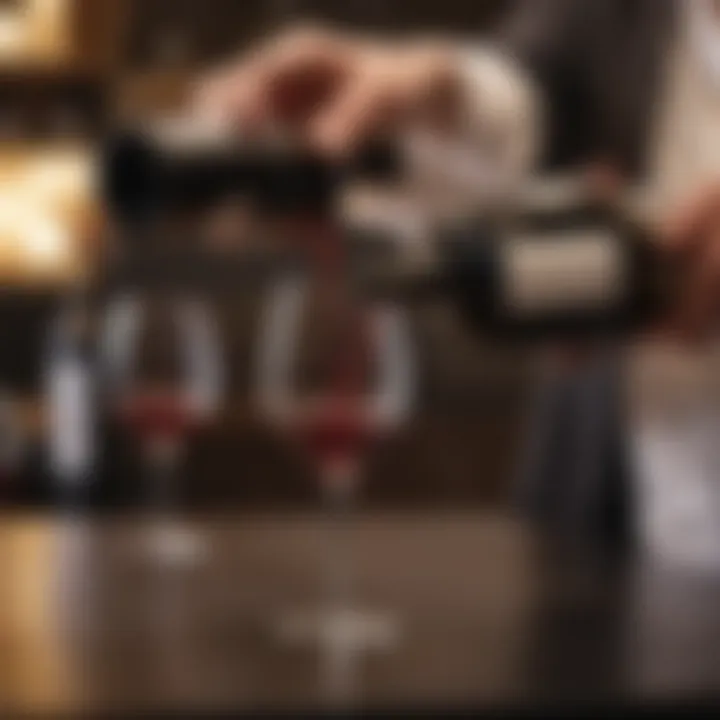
[(163, 374), (335, 424)]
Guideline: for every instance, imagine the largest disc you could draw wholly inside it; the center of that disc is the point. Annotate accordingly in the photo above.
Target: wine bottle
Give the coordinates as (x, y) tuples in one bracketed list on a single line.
[(580, 270), (70, 393)]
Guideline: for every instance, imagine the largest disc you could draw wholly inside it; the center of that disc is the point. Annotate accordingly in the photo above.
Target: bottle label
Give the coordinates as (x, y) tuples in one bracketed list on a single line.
[(572, 271)]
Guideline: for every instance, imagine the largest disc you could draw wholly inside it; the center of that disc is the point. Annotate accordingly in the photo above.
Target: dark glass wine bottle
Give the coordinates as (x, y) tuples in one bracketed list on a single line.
[(580, 271), (70, 385)]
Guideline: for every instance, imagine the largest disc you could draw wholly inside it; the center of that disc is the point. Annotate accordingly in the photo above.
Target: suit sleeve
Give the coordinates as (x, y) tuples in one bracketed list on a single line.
[(516, 85), (565, 49), (524, 97)]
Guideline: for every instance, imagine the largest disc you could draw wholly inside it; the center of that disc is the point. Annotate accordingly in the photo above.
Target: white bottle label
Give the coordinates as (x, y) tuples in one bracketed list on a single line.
[(570, 271)]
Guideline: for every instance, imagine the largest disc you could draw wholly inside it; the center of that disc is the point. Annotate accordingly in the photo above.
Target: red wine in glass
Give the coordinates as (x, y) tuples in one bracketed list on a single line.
[(162, 422), (159, 416), (163, 403), (337, 436), (336, 428)]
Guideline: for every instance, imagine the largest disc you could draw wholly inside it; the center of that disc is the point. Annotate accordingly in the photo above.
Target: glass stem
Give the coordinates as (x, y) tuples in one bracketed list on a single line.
[(340, 495), (72, 495), (163, 458)]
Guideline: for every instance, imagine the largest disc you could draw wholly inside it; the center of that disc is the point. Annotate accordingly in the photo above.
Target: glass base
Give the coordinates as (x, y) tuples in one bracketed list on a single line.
[(348, 628), (176, 546)]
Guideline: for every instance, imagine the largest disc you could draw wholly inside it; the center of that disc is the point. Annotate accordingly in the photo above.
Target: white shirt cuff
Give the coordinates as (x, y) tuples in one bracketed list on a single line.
[(496, 143), (494, 147), (503, 109)]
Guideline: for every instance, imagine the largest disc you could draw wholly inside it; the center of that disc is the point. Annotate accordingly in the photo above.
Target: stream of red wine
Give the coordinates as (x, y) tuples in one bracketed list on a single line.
[(339, 431)]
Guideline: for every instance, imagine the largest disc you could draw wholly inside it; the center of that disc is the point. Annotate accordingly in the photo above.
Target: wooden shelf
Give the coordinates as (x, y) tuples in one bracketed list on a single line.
[(191, 31), (41, 74)]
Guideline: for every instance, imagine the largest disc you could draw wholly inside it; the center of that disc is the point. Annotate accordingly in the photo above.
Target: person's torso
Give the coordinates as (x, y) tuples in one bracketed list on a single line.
[(674, 392)]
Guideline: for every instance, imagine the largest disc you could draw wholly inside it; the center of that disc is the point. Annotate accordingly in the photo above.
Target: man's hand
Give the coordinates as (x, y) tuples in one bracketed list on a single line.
[(335, 90), (692, 241)]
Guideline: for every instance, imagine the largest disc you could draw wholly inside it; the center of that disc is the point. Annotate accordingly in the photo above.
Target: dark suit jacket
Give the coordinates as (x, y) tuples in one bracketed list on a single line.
[(600, 65)]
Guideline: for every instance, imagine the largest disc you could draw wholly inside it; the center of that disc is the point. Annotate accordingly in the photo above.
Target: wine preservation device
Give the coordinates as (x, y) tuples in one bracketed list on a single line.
[(175, 166), (529, 270)]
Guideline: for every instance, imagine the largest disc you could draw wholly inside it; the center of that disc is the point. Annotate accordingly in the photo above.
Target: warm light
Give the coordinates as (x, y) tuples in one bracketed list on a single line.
[(47, 242), (13, 33), (66, 176), (38, 30), (36, 233), (45, 208), (49, 23)]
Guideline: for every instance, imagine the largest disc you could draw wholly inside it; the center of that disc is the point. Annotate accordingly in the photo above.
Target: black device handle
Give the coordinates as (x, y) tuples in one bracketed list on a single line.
[(144, 174)]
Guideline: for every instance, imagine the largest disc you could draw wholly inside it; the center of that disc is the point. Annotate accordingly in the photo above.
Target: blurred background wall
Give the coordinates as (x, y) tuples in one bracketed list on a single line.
[(68, 70)]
